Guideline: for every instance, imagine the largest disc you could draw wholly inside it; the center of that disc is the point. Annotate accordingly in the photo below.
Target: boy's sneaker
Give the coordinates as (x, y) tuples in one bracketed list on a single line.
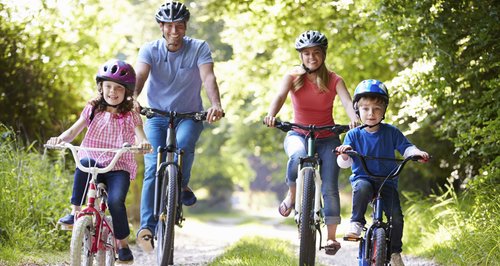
[(125, 255), (145, 239), (396, 260), (354, 231), (67, 220)]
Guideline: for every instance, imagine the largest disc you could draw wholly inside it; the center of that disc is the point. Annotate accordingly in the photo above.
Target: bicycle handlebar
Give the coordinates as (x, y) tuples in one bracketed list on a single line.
[(151, 112), (287, 126), (74, 149), (394, 173)]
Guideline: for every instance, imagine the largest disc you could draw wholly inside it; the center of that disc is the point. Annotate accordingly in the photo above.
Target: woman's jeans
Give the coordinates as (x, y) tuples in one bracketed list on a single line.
[(117, 183), (295, 148), (363, 191), (188, 132)]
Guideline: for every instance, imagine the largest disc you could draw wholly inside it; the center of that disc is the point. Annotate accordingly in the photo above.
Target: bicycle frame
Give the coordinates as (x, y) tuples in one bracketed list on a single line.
[(100, 227), (309, 219), (167, 198), (374, 247)]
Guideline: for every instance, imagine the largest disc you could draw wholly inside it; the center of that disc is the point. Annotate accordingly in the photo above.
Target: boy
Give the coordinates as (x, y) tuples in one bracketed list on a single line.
[(375, 139)]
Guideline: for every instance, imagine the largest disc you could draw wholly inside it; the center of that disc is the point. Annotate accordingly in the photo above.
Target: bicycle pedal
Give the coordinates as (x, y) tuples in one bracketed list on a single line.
[(352, 239), (65, 227)]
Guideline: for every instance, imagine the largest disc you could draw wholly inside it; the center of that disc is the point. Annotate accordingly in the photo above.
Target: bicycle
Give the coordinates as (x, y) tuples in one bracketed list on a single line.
[(374, 246), (167, 198), (308, 200), (93, 235)]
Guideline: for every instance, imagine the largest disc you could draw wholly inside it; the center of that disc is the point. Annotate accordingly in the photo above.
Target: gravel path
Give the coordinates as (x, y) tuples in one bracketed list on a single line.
[(199, 243)]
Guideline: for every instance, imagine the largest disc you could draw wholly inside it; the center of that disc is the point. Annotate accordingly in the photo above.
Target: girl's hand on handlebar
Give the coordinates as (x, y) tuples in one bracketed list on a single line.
[(270, 121), (145, 146), (55, 141)]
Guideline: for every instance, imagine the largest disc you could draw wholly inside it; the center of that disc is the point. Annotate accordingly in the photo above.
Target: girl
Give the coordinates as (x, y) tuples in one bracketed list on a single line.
[(313, 89), (111, 122)]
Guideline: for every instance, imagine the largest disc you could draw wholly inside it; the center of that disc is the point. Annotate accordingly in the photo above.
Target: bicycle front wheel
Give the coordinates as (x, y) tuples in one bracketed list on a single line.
[(307, 227), (81, 242), (166, 222), (379, 247), (106, 255)]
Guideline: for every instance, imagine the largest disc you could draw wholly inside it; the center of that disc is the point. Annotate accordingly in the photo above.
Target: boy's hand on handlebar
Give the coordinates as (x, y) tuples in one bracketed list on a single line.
[(341, 149), (425, 156)]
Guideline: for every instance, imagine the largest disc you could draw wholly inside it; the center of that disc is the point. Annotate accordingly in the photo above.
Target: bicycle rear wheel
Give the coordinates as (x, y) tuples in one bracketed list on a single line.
[(166, 223), (81, 242), (107, 254), (379, 247), (307, 228)]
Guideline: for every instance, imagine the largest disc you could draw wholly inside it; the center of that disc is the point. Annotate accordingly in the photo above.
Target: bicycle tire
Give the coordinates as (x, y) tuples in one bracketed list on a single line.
[(169, 197), (107, 256), (81, 242), (378, 247), (307, 228)]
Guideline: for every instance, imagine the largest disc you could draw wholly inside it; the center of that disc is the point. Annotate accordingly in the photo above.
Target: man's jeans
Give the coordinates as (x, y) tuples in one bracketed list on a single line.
[(188, 132)]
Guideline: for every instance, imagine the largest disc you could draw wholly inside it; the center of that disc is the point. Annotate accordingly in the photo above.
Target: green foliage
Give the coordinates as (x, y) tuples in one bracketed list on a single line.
[(250, 251), (456, 230), (33, 196), (50, 53), (457, 42)]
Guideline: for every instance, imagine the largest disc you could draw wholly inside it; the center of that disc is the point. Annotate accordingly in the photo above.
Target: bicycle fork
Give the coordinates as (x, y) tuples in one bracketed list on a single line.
[(317, 196)]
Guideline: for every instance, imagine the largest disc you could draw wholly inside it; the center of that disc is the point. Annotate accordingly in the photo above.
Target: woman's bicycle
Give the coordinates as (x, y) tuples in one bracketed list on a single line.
[(374, 246), (93, 236), (308, 200), (167, 198)]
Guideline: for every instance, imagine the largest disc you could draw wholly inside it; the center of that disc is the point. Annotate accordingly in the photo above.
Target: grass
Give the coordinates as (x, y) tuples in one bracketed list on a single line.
[(250, 251)]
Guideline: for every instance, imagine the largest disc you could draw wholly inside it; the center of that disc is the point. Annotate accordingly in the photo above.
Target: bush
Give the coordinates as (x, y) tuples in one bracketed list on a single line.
[(33, 195)]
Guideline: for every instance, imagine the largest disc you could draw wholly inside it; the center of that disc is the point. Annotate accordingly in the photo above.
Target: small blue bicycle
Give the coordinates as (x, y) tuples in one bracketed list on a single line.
[(374, 246)]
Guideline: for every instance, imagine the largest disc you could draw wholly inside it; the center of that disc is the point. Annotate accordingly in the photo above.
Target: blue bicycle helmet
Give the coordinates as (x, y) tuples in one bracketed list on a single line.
[(370, 87)]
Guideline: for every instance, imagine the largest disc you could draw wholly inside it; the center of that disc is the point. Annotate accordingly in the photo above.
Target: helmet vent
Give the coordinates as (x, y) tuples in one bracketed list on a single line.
[(114, 69)]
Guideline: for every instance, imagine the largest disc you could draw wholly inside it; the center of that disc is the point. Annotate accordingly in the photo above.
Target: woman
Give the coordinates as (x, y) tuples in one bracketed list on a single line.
[(313, 89)]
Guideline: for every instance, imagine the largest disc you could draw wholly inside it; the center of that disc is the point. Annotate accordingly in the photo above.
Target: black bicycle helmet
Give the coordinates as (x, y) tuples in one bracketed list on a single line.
[(172, 12), (311, 38)]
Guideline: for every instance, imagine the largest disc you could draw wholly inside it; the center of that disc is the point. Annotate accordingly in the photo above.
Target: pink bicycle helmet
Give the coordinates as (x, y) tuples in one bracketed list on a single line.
[(118, 71)]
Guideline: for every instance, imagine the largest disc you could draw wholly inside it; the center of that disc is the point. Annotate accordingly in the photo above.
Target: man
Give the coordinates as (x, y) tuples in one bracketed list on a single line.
[(175, 68)]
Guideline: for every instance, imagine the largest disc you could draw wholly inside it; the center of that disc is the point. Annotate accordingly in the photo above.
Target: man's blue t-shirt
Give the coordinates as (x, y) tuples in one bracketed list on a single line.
[(382, 143), (174, 83)]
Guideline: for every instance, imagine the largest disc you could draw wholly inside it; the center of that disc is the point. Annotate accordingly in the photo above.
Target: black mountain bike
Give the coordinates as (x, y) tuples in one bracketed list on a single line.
[(167, 199), (308, 200), (374, 246)]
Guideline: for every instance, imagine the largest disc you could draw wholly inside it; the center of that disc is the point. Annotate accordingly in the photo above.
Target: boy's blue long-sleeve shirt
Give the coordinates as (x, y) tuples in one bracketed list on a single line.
[(382, 143)]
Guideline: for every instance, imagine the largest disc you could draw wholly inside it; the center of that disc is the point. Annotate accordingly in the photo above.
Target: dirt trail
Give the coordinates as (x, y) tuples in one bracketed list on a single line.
[(199, 243)]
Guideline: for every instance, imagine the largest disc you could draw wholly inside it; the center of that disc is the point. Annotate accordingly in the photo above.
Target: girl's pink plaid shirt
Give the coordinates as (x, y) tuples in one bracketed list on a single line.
[(108, 130)]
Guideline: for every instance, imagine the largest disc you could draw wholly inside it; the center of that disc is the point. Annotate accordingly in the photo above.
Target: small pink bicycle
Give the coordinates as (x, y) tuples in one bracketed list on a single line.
[(93, 236)]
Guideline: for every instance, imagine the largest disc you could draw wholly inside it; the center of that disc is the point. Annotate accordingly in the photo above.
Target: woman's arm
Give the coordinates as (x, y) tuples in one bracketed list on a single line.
[(346, 100), (278, 101)]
